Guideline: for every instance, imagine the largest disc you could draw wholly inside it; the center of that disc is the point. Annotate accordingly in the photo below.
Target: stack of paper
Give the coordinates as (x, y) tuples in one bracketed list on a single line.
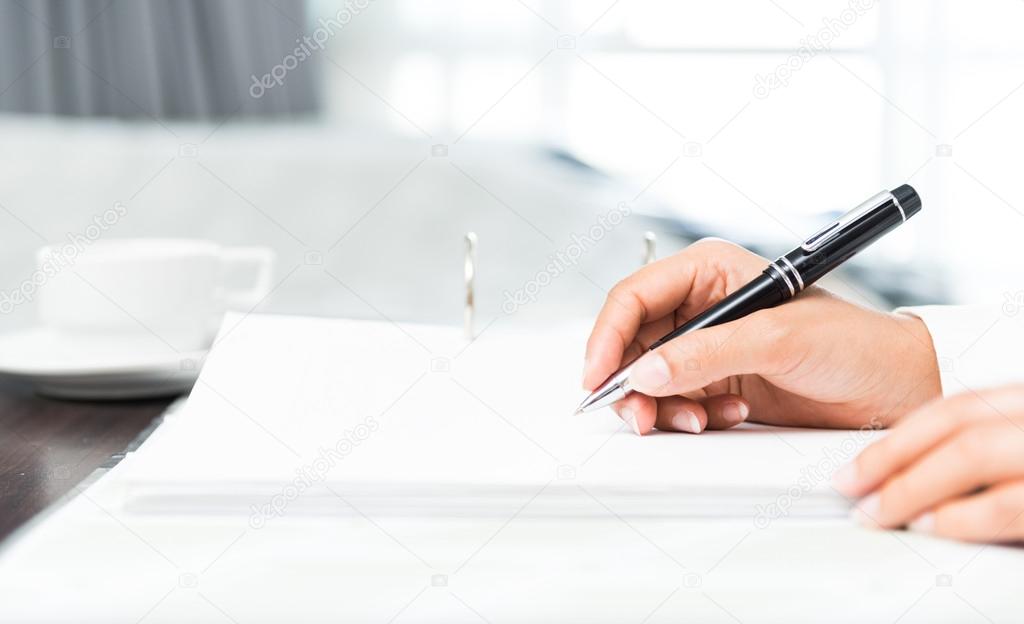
[(358, 471), (414, 420)]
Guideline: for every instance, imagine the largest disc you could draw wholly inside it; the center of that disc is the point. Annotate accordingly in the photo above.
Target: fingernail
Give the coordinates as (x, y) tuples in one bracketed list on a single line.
[(630, 417), (845, 479), (586, 369), (686, 421), (866, 511), (735, 413), (925, 523), (650, 373)]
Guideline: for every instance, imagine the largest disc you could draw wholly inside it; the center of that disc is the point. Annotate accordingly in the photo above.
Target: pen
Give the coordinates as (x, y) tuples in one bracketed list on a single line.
[(784, 278)]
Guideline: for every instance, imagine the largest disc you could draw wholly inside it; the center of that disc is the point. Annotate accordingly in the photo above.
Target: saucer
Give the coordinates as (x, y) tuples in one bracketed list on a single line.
[(75, 365)]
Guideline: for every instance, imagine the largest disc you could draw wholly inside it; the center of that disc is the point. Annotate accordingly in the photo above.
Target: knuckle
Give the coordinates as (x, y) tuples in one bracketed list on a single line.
[(620, 285), (708, 242), (621, 290), (713, 243), (718, 248), (625, 294), (711, 248)]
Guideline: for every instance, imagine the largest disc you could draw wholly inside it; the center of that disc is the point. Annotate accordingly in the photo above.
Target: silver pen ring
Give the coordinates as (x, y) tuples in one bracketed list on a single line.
[(792, 291), (796, 274), (899, 207)]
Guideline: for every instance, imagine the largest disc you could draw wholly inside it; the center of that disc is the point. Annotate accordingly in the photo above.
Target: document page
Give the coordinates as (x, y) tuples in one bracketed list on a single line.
[(368, 471), (409, 419)]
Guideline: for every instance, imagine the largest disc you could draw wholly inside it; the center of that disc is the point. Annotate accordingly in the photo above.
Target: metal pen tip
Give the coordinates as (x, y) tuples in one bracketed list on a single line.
[(615, 389)]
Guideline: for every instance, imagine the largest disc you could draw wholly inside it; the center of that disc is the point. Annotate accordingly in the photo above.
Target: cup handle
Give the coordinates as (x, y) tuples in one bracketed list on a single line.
[(257, 261)]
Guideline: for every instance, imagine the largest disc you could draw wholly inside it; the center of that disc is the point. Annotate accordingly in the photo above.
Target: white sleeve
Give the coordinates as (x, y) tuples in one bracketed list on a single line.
[(976, 346)]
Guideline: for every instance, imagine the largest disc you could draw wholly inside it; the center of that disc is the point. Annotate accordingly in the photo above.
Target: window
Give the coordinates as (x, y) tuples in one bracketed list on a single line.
[(758, 114)]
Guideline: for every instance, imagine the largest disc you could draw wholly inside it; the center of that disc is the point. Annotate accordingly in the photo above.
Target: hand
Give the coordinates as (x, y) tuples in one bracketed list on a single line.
[(815, 361), (954, 468)]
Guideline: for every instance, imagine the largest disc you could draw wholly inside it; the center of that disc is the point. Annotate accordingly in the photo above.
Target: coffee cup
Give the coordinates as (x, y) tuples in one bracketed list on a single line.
[(175, 290)]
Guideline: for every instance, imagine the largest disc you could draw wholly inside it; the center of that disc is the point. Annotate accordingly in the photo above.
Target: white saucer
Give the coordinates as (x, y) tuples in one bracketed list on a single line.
[(96, 366)]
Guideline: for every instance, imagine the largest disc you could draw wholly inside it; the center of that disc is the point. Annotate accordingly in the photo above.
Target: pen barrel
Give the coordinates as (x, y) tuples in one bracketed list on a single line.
[(765, 291), (825, 250), (828, 249)]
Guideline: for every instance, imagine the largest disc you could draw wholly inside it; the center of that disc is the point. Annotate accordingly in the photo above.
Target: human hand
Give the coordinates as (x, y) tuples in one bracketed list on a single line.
[(953, 468), (815, 361)]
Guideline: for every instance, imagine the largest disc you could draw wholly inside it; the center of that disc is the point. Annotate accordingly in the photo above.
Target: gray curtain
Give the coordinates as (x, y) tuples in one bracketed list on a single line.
[(153, 58)]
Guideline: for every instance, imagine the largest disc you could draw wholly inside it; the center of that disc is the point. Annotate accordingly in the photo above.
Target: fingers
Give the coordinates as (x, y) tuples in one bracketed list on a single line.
[(646, 336), (655, 291), (681, 414), (929, 470), (904, 445), (649, 294), (975, 457), (688, 415), (726, 410), (638, 411), (695, 360), (994, 515), (918, 433)]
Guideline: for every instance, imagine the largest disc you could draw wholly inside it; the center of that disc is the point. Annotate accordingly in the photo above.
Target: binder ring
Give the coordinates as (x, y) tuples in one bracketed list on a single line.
[(650, 247), (469, 272)]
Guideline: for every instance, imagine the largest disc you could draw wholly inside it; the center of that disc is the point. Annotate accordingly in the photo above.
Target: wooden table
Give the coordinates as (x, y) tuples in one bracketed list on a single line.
[(48, 446)]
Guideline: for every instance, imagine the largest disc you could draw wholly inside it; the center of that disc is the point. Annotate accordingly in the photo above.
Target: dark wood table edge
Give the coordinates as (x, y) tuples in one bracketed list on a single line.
[(52, 449)]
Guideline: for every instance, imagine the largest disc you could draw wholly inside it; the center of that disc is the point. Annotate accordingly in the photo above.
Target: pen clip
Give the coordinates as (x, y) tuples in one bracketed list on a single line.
[(830, 231)]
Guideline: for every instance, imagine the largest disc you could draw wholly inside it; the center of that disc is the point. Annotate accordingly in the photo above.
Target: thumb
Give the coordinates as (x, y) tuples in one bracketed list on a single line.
[(693, 361)]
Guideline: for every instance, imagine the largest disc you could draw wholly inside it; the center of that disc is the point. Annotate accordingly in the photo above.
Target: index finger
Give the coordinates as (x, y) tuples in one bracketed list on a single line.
[(708, 266), (652, 292)]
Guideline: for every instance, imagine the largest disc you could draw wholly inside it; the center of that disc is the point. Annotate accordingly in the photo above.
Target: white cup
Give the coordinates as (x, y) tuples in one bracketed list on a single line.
[(174, 289)]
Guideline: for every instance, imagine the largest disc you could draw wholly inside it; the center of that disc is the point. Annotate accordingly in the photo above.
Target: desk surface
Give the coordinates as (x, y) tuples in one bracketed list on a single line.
[(48, 446)]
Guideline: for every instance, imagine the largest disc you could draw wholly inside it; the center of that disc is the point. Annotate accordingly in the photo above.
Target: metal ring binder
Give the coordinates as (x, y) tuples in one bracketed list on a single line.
[(469, 272), (650, 247)]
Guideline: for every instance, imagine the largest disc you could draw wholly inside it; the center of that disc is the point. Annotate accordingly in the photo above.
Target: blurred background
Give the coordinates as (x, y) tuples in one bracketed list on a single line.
[(361, 139)]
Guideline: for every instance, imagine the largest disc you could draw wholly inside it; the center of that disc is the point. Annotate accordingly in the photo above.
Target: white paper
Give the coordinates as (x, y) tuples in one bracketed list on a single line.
[(478, 497), (415, 420)]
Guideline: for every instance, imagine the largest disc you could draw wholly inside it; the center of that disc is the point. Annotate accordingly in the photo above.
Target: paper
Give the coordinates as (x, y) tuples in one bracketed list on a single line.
[(329, 470), (415, 420)]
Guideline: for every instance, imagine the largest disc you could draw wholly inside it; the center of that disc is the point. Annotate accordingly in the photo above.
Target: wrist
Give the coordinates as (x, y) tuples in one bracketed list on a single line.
[(918, 363)]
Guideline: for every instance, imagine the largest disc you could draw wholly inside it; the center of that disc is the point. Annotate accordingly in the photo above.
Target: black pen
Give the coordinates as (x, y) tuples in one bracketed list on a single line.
[(828, 248)]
